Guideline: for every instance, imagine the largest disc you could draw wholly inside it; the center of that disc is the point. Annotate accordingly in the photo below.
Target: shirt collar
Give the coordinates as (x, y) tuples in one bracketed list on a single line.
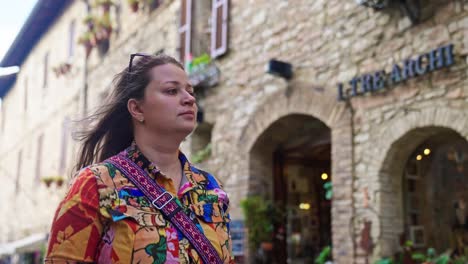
[(193, 175)]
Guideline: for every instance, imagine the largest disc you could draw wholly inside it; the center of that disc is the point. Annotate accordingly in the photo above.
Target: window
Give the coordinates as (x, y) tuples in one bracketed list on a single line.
[(46, 66), (185, 29), (18, 171), (71, 39), (219, 27), (40, 140), (198, 20)]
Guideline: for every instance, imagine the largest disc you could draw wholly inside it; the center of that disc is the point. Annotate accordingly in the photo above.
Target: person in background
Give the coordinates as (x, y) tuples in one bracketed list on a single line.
[(108, 214)]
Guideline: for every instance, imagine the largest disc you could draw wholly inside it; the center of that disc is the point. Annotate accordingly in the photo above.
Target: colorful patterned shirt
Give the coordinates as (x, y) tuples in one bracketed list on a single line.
[(104, 218)]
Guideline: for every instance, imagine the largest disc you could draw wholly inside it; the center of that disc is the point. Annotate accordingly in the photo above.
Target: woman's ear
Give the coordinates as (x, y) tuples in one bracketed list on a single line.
[(135, 110)]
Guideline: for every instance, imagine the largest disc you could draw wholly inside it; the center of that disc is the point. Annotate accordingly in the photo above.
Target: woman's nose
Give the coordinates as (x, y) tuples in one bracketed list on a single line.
[(189, 98)]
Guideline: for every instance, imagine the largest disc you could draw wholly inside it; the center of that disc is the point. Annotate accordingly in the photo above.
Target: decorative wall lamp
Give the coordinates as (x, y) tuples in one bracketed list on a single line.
[(280, 68), (412, 8)]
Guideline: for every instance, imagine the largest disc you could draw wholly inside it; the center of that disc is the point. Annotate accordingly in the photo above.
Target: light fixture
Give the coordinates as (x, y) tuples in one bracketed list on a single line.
[(376, 4), (280, 68), (411, 8), (304, 206), (427, 151), (324, 176), (419, 157)]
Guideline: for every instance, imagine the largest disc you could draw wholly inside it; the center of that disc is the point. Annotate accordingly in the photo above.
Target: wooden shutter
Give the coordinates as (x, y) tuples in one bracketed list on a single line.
[(219, 27), (185, 29)]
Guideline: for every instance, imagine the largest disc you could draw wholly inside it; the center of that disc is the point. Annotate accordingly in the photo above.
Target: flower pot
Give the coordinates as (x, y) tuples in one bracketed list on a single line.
[(106, 7), (134, 7), (59, 183), (88, 47), (103, 46), (154, 4)]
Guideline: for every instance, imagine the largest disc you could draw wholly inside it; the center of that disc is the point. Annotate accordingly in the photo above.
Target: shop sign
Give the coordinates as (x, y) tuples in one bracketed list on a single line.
[(436, 59)]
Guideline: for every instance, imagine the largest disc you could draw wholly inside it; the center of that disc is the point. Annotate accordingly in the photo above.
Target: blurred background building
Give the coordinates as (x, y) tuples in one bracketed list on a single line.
[(349, 114)]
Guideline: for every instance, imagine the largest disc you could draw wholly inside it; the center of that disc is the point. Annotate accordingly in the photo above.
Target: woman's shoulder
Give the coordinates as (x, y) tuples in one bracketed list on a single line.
[(211, 180), (104, 173)]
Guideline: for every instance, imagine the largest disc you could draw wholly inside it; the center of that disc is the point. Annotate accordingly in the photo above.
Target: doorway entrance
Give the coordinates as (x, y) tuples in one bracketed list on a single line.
[(435, 194), (295, 151)]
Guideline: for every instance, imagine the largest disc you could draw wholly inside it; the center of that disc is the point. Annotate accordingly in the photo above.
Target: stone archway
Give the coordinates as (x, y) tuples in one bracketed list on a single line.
[(304, 99), (402, 136)]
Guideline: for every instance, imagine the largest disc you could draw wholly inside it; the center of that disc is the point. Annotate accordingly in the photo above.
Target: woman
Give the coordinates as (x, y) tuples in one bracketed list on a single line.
[(109, 214)]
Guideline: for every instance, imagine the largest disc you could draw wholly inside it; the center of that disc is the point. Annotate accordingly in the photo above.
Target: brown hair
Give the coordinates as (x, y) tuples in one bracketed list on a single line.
[(112, 131)]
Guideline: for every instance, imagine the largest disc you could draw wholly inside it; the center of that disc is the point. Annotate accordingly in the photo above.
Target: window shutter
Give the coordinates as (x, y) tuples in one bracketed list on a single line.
[(219, 27), (185, 29)]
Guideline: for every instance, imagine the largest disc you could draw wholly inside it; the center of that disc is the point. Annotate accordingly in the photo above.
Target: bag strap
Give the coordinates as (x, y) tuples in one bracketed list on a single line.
[(166, 203)]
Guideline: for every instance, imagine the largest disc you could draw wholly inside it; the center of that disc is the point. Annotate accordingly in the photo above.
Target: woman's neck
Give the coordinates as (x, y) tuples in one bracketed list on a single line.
[(164, 154)]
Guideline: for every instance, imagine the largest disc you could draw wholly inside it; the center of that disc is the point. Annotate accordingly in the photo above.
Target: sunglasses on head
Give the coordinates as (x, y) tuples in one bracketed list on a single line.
[(132, 56)]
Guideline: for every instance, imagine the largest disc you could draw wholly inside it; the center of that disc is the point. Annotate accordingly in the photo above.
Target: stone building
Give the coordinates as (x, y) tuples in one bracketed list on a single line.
[(376, 105)]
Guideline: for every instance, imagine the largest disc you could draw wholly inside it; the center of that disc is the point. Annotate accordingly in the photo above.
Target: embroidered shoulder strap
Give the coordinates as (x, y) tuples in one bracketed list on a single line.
[(166, 203)]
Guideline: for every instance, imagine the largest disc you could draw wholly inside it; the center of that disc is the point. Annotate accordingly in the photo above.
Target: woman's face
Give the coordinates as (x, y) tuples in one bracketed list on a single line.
[(169, 105)]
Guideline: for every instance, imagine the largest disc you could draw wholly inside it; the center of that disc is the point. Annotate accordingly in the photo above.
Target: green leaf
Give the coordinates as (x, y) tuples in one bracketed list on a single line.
[(443, 259), (157, 251), (323, 256), (384, 261), (111, 169), (418, 257)]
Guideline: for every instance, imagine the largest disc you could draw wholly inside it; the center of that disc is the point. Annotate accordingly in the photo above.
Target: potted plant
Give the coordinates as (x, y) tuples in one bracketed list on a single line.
[(134, 5), (88, 40), (47, 180), (153, 4), (59, 180), (105, 4), (261, 218), (90, 21), (103, 28)]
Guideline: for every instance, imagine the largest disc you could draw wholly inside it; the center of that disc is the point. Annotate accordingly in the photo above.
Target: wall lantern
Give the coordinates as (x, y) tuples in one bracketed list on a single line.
[(280, 68), (412, 8), (376, 4)]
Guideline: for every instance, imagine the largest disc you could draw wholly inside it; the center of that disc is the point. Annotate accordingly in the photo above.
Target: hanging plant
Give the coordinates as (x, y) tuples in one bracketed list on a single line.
[(134, 5), (88, 40), (105, 4), (47, 181), (103, 28), (62, 69), (153, 4), (90, 21)]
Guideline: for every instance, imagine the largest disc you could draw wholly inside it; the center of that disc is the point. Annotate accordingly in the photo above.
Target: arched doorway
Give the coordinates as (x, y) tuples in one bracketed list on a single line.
[(435, 194), (290, 162)]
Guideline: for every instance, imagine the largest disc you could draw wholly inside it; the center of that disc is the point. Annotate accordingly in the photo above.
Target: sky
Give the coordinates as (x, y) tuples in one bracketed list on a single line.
[(13, 14)]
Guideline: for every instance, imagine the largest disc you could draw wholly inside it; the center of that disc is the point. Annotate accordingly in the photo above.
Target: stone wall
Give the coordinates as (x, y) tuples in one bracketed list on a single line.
[(329, 42)]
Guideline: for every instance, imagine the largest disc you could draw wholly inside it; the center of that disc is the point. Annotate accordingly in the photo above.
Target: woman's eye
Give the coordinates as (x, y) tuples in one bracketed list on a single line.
[(172, 91)]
